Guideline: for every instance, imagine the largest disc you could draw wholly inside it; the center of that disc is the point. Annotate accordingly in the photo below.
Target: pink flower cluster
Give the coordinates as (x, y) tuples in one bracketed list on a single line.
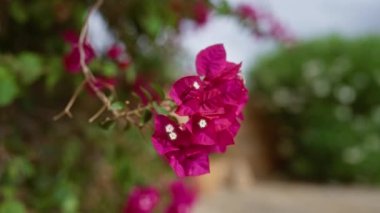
[(213, 101), (142, 200), (146, 199), (71, 60), (264, 24)]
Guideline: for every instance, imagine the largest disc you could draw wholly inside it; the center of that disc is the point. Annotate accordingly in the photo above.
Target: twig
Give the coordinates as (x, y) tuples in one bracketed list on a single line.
[(70, 104), (97, 114), (90, 78)]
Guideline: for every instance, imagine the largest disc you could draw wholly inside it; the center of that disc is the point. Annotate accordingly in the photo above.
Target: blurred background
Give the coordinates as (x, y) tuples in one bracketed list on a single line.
[(310, 141)]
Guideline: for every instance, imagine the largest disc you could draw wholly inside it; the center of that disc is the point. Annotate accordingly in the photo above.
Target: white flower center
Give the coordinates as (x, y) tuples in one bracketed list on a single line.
[(196, 85), (169, 128), (202, 123), (172, 136)]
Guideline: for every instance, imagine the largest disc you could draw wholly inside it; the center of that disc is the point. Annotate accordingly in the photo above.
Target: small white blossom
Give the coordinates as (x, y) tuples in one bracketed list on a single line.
[(169, 128), (172, 136), (196, 85), (202, 123)]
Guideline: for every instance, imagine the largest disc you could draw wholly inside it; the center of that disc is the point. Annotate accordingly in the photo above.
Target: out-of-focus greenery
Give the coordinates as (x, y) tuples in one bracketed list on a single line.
[(71, 165), (324, 95)]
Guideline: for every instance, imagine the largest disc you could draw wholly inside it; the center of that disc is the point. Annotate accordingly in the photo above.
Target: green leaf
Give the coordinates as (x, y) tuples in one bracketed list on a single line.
[(30, 67), (159, 109), (18, 12), (107, 124), (152, 23), (130, 74), (146, 116), (53, 74), (8, 87), (12, 206), (117, 105), (109, 69)]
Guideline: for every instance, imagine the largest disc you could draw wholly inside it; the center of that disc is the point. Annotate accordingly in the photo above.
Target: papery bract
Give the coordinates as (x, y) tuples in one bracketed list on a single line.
[(210, 61), (213, 102), (201, 12), (247, 11), (183, 198), (142, 200), (176, 144)]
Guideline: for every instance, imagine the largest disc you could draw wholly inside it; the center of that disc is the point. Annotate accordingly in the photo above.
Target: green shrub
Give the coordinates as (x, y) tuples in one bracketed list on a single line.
[(325, 96)]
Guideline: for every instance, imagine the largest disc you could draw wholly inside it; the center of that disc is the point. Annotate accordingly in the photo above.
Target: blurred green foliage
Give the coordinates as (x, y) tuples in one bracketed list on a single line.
[(71, 165), (324, 94)]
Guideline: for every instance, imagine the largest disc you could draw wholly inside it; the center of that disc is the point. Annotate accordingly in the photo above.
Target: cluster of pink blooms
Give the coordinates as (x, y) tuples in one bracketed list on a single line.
[(213, 101), (71, 60), (264, 24), (146, 199)]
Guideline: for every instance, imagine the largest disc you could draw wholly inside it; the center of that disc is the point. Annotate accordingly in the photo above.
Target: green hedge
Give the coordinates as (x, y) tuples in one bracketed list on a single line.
[(325, 94)]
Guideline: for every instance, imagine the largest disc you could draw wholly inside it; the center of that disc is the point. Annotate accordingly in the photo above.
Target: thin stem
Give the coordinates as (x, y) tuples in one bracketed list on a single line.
[(97, 114), (90, 78), (70, 104)]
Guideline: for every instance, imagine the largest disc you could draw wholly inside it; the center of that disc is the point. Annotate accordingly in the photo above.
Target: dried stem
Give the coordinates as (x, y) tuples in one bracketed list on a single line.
[(91, 80), (70, 104), (97, 114), (85, 69)]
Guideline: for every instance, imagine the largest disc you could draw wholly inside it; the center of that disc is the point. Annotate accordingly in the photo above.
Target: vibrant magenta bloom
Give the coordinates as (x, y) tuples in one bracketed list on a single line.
[(71, 60), (222, 85), (142, 200), (175, 143), (278, 31), (183, 198), (213, 101), (118, 53), (211, 61), (247, 12), (70, 37), (201, 12)]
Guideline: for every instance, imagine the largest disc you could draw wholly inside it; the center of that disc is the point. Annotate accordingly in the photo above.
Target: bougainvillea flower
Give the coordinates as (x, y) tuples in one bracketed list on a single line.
[(71, 37), (247, 12), (211, 61), (201, 12), (115, 51), (215, 132), (72, 59), (188, 162), (118, 53), (213, 101), (175, 143), (142, 200), (169, 136), (182, 198)]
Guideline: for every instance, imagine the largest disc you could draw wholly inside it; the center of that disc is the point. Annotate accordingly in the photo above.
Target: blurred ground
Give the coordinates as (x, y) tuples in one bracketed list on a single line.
[(291, 198)]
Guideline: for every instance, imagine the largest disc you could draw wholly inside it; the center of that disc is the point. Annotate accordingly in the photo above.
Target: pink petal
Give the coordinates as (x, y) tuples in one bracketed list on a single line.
[(185, 87), (211, 61), (190, 166)]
